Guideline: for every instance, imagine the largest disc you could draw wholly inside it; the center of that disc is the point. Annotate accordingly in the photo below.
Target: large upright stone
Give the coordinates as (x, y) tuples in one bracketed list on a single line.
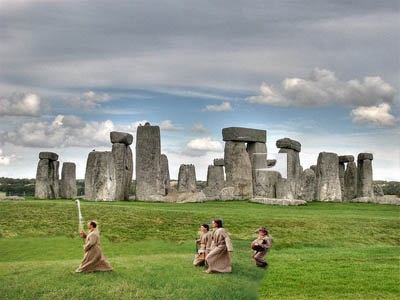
[(342, 167), (307, 185), (350, 181), (241, 134), (328, 183), (122, 170), (266, 183), (364, 175), (98, 177), (288, 187), (47, 176), (148, 156), (187, 178), (165, 179), (238, 170), (68, 188), (215, 182)]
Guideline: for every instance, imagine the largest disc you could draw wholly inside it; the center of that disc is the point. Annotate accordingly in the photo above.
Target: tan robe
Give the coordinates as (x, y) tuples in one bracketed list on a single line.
[(93, 259), (205, 242), (219, 260), (265, 243)]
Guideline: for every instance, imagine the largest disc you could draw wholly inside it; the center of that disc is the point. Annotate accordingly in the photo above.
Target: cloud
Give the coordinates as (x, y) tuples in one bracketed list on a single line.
[(89, 100), (200, 147), (63, 131), (199, 128), (5, 160), (323, 87), (376, 115), (21, 104), (222, 107), (168, 126)]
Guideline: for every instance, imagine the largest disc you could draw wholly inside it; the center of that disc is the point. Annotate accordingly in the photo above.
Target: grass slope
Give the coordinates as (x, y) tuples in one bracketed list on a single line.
[(320, 251)]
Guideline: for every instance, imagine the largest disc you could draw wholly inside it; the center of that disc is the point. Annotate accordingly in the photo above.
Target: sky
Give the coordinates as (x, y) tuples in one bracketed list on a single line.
[(323, 73)]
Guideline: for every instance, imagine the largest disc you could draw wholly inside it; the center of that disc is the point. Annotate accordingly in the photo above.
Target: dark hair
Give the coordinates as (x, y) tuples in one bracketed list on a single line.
[(93, 223), (205, 226), (219, 223)]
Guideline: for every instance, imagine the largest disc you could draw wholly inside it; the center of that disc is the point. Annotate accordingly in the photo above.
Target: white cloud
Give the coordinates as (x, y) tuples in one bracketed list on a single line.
[(168, 126), (375, 115), (64, 131), (20, 104), (5, 160), (89, 100), (200, 147), (198, 128), (222, 107), (323, 87)]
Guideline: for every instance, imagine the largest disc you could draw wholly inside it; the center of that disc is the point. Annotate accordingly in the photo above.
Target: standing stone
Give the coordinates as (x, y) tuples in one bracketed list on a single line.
[(187, 178), (47, 176), (328, 183), (238, 170), (342, 160), (148, 165), (215, 182), (165, 179), (98, 177), (307, 185), (350, 181), (266, 184), (122, 170), (364, 175), (288, 188), (68, 188)]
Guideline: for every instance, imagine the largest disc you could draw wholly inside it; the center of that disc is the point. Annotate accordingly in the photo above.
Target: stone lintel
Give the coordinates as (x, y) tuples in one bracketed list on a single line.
[(48, 155), (346, 158), (287, 143), (241, 134), (364, 156), (121, 137), (219, 162)]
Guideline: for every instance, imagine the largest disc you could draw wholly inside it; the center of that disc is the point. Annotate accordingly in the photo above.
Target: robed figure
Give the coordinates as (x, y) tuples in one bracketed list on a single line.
[(219, 259), (93, 259)]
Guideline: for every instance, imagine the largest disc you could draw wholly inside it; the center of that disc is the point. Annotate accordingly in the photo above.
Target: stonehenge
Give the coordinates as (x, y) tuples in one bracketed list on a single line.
[(246, 172)]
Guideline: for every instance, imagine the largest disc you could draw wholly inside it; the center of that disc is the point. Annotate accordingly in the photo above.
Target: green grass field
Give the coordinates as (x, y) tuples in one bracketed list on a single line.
[(319, 251)]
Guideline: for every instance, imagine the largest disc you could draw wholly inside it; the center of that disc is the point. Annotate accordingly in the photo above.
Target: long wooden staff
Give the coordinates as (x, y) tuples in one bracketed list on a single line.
[(81, 220)]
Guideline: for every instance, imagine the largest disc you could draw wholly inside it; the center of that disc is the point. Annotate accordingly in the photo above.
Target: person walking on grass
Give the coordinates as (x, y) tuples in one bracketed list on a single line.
[(93, 259), (219, 260), (261, 246), (205, 242)]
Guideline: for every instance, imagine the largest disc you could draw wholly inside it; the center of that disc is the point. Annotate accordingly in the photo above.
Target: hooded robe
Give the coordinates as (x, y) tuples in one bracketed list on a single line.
[(93, 259), (218, 259)]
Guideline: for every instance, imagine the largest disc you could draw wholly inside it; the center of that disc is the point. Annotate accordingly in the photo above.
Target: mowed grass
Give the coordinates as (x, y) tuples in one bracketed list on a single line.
[(320, 251)]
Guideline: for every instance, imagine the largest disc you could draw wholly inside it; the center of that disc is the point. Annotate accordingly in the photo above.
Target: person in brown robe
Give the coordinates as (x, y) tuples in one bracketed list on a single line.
[(93, 259), (219, 259), (205, 243), (261, 246)]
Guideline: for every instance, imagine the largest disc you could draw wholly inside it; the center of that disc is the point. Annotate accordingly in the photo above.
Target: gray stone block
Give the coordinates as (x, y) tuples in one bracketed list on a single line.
[(287, 143), (219, 162), (364, 156), (121, 137), (241, 134), (346, 158), (48, 155)]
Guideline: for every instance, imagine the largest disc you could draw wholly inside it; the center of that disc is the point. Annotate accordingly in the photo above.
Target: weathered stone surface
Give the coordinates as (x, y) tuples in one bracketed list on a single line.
[(241, 134), (364, 156), (238, 170), (314, 168), (271, 162), (281, 202), (265, 183), (47, 179), (48, 155), (378, 200), (294, 170), (284, 189), (287, 143), (257, 154), (215, 182), (121, 137), (188, 197), (364, 177), (98, 177), (122, 170), (307, 185), (378, 191), (342, 168), (68, 188), (148, 169), (187, 178), (227, 193), (346, 158), (165, 179), (350, 181), (219, 162), (328, 183)]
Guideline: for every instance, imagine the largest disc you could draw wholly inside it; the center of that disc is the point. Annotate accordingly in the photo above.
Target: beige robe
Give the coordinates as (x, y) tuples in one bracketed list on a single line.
[(93, 259), (218, 259), (265, 243), (205, 244)]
